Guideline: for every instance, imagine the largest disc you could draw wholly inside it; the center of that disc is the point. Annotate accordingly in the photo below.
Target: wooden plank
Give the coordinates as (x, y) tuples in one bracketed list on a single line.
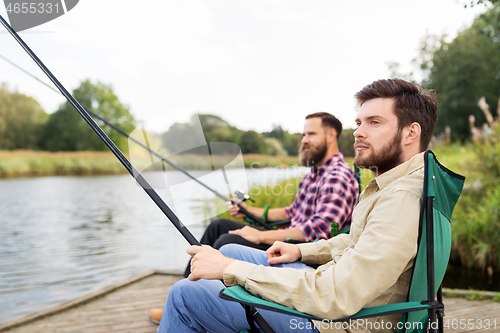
[(124, 307), (461, 310), (58, 308)]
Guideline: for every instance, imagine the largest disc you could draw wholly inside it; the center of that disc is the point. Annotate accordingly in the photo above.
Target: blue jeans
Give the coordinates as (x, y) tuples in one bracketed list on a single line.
[(196, 306)]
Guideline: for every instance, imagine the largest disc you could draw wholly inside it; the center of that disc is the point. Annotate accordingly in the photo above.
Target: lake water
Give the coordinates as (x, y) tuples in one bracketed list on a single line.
[(65, 236), (62, 237)]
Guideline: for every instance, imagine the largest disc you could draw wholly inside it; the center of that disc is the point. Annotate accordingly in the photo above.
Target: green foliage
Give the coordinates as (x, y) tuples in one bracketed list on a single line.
[(476, 220), (464, 70), (475, 295), (346, 142), (252, 142), (472, 3), (29, 163), (24, 163), (21, 119), (277, 133), (181, 137), (275, 148), (291, 143), (476, 228), (217, 129), (67, 131)]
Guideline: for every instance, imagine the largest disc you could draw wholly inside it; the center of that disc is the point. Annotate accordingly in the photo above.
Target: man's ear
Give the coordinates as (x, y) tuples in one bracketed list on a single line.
[(331, 135), (411, 134)]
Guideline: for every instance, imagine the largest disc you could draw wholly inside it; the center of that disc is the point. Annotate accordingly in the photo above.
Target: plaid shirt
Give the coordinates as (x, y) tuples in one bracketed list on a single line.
[(326, 194)]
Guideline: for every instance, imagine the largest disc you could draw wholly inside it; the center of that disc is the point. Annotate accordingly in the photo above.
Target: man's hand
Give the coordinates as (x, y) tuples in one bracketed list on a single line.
[(250, 234), (207, 263), (280, 253), (234, 210)]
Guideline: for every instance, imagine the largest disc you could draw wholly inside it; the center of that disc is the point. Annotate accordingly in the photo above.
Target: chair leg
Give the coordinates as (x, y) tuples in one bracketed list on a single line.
[(253, 316), (250, 320), (440, 313)]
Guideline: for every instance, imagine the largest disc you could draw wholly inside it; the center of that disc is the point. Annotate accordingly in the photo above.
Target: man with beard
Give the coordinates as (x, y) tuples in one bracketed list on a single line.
[(326, 194), (370, 266)]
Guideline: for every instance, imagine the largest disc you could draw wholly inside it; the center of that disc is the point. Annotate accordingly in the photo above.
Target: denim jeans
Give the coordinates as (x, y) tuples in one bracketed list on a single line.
[(196, 306)]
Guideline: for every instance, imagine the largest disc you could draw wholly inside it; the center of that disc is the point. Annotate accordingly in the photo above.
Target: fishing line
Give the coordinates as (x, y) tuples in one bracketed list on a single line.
[(147, 147), (110, 144)]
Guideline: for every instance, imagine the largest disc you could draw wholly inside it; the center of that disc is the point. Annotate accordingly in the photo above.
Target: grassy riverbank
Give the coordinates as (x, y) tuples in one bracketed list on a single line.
[(25, 163)]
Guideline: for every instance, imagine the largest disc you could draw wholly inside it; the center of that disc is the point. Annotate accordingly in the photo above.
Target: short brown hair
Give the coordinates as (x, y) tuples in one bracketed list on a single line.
[(328, 120), (412, 104)]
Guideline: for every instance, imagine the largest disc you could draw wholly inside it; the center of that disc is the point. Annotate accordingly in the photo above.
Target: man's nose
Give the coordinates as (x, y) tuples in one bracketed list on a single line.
[(359, 132)]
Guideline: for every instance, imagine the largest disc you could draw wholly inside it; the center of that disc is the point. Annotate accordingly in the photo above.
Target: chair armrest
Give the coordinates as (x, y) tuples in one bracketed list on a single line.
[(239, 294)]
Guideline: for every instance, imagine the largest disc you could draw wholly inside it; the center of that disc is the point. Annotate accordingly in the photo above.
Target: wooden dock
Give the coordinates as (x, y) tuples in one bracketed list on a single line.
[(124, 307)]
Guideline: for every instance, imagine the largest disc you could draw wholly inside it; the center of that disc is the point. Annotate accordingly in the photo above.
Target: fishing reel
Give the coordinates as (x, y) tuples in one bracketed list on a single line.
[(243, 196)]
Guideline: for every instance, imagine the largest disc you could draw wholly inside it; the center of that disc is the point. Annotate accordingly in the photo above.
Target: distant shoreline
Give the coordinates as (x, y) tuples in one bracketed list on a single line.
[(28, 163)]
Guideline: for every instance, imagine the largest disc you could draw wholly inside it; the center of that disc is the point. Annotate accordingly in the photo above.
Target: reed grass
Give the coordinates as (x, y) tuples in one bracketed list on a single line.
[(24, 163)]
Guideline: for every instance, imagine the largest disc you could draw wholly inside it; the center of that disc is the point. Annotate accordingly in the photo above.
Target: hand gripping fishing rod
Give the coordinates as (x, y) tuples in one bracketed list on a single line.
[(178, 168), (114, 149)]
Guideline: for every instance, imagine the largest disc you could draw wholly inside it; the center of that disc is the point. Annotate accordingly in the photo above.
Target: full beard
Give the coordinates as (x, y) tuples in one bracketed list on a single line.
[(313, 156), (384, 160)]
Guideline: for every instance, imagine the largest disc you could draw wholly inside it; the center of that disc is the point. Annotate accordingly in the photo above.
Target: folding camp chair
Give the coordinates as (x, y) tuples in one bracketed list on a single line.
[(441, 191)]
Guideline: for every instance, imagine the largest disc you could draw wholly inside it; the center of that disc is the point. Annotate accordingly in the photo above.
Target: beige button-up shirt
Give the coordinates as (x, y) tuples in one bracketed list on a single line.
[(368, 267)]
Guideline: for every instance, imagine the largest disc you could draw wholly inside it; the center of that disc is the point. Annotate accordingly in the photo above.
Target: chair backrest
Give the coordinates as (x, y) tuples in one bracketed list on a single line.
[(441, 191)]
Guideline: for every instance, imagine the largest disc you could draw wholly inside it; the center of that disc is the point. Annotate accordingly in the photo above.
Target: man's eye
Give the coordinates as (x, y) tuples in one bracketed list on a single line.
[(374, 122)]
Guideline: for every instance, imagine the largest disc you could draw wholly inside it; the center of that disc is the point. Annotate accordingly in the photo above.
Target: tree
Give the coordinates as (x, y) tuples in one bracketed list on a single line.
[(472, 3), (182, 137), (464, 70), (292, 142), (66, 130), (275, 148), (346, 142), (253, 143), (277, 132), (21, 119)]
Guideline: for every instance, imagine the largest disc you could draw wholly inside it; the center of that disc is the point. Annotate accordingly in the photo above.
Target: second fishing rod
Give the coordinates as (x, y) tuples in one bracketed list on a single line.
[(178, 168)]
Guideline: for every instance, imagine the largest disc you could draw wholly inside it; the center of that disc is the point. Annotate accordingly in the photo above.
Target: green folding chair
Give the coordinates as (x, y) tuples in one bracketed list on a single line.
[(441, 191)]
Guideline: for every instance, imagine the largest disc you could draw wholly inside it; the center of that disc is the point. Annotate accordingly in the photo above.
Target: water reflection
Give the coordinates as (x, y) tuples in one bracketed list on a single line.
[(458, 277), (62, 237)]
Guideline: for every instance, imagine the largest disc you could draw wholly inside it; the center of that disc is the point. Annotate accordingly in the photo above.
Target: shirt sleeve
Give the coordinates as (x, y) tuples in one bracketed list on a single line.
[(323, 251), (334, 204), (341, 288)]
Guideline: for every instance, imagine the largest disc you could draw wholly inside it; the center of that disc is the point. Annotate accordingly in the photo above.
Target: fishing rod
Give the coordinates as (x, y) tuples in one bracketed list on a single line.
[(178, 168), (110, 144)]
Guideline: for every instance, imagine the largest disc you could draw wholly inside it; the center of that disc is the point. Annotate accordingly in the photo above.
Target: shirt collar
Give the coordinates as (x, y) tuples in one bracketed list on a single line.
[(334, 160)]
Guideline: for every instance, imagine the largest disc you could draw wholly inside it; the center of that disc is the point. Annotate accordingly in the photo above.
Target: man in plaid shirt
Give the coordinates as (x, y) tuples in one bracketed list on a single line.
[(326, 194)]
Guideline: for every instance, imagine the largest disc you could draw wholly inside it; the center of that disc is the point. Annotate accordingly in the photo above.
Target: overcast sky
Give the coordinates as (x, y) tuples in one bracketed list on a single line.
[(254, 63)]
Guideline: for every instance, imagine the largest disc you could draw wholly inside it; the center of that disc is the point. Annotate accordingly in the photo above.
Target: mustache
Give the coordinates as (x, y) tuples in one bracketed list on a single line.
[(362, 143), (306, 145)]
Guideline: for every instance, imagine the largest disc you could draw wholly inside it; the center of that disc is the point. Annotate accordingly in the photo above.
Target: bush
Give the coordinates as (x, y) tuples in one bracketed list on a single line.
[(476, 220)]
